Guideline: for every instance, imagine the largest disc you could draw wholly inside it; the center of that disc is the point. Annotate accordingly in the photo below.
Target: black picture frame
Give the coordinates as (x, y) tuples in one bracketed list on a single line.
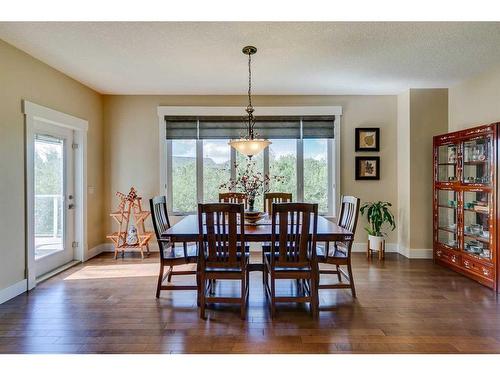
[(360, 172), (363, 148)]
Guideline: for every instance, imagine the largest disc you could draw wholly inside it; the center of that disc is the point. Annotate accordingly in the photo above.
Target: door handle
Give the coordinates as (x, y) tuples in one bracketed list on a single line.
[(71, 206)]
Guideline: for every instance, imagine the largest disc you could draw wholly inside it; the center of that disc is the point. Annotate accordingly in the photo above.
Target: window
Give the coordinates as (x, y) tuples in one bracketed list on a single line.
[(201, 160), (283, 162), (216, 167), (184, 197), (316, 172)]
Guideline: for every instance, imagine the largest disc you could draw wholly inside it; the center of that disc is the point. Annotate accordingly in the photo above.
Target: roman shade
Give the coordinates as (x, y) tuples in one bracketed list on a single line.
[(234, 127)]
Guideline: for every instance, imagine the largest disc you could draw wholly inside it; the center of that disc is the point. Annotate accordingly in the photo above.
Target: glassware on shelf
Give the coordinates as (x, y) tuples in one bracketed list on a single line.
[(476, 168), (447, 163)]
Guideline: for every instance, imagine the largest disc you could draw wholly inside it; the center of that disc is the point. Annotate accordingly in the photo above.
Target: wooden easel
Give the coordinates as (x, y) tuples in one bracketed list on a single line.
[(130, 206)]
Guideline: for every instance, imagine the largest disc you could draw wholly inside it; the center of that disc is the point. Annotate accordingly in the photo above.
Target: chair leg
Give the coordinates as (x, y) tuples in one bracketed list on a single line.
[(198, 284), (243, 297), (171, 269), (202, 297), (160, 279), (339, 274), (351, 279), (264, 272), (314, 298), (273, 296)]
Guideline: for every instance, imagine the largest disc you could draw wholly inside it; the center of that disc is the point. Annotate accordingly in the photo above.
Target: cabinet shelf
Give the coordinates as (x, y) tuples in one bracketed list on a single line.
[(476, 162), (445, 206), (478, 238), (450, 230)]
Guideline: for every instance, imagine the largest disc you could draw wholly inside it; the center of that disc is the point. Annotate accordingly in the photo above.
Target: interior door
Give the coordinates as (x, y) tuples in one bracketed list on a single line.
[(53, 197)]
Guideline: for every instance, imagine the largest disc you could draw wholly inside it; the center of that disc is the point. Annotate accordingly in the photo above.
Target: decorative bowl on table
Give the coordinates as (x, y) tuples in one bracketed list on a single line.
[(251, 217)]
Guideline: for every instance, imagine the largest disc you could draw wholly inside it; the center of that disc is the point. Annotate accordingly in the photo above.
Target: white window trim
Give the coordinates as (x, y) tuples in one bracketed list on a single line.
[(33, 112), (333, 146)]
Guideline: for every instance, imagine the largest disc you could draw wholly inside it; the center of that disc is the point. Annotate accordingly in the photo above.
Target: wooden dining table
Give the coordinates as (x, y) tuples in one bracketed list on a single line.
[(186, 230)]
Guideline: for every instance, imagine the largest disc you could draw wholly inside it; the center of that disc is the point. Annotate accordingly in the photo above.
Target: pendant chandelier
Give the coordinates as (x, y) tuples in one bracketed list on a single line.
[(249, 145)]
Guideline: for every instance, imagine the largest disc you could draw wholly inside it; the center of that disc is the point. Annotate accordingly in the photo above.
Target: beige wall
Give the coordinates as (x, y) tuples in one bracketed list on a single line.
[(23, 77), (475, 101), (422, 114), (132, 153), (403, 166), (428, 117)]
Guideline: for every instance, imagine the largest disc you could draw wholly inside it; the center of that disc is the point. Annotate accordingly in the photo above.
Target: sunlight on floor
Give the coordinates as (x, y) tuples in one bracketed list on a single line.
[(115, 271)]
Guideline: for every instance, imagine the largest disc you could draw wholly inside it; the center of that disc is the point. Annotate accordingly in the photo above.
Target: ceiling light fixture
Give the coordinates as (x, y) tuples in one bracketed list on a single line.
[(249, 145)]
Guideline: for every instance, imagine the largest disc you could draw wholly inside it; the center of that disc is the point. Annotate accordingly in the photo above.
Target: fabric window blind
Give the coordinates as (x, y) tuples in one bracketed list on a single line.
[(318, 127), (182, 127), (233, 127)]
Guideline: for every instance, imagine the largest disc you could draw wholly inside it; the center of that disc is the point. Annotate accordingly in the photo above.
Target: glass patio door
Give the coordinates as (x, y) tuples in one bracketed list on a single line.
[(53, 197)]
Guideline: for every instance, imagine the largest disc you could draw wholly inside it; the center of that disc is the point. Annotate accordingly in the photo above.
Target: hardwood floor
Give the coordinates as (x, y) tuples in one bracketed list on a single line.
[(108, 306)]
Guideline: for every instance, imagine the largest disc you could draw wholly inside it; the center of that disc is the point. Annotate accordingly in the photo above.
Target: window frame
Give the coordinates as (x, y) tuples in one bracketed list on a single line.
[(333, 149)]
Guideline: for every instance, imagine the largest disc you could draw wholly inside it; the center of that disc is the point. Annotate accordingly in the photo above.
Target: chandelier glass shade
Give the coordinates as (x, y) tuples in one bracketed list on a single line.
[(250, 145)]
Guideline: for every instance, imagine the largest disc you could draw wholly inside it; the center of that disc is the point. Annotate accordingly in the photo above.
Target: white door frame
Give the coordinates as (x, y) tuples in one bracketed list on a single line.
[(33, 112), (162, 111)]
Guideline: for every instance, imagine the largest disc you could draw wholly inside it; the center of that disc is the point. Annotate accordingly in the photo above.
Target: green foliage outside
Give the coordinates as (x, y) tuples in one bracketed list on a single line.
[(48, 181), (184, 180)]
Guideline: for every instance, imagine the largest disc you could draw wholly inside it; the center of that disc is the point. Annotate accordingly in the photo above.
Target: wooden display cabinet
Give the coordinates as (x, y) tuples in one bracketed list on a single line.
[(465, 203)]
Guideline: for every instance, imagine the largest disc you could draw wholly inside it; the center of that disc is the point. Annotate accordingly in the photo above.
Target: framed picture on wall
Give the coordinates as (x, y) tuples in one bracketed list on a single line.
[(367, 168), (367, 139)]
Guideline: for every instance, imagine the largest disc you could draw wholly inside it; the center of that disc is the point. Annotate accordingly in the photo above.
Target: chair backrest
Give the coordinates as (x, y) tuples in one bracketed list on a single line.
[(159, 216), (270, 198), (296, 241), (222, 246), (349, 210), (232, 197)]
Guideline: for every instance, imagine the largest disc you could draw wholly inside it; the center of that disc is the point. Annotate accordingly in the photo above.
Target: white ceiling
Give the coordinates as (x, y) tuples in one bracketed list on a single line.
[(293, 58)]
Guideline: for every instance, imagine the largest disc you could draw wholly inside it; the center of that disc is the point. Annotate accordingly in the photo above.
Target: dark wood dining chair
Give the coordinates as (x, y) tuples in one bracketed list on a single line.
[(221, 238), (232, 197), (340, 255), (170, 255), (270, 198), (293, 253)]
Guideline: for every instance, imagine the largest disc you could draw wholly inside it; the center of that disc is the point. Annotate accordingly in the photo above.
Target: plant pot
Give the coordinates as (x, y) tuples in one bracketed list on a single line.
[(375, 242)]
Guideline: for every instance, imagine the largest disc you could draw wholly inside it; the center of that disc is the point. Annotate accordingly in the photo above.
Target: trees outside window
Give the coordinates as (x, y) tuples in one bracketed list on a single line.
[(184, 176), (218, 161), (216, 167), (283, 162), (316, 172)]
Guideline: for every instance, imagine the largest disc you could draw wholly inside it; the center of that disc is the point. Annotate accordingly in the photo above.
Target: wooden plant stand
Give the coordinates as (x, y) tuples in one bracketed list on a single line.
[(381, 251), (130, 208)]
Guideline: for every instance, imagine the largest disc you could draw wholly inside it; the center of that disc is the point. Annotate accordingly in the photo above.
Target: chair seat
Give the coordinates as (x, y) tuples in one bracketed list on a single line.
[(340, 252), (285, 269), (229, 268), (178, 252)]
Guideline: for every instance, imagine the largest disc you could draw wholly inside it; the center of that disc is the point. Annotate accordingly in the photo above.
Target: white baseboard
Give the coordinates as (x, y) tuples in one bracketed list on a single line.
[(13, 291), (108, 247), (360, 247), (395, 248), (96, 250), (420, 254), (415, 253)]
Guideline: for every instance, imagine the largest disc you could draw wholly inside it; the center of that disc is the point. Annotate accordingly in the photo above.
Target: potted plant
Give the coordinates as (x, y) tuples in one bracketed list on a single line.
[(378, 214)]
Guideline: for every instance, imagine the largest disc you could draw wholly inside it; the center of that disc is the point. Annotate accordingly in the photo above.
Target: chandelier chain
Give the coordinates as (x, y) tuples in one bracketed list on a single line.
[(249, 80)]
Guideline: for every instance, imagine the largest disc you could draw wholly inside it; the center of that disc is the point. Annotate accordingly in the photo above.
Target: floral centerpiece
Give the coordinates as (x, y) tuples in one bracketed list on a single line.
[(250, 182)]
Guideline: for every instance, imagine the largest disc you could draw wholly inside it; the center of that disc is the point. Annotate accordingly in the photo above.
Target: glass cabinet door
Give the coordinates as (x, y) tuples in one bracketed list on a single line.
[(477, 161), (477, 219), (447, 202), (447, 163)]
